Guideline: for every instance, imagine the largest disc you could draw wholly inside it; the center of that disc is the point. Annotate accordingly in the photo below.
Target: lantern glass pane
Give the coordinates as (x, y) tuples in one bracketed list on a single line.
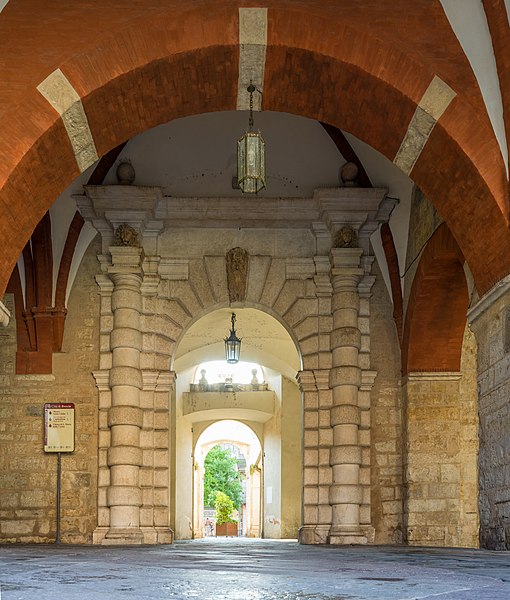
[(232, 350), (251, 172)]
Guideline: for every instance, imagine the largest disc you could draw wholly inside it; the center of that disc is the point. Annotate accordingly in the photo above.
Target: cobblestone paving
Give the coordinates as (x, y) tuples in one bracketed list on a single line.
[(236, 569)]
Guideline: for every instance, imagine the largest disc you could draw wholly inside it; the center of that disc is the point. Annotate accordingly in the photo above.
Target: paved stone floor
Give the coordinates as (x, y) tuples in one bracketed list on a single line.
[(228, 569)]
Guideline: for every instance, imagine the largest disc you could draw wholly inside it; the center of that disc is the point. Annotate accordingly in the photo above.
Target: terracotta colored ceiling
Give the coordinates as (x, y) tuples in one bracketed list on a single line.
[(362, 66), (436, 314)]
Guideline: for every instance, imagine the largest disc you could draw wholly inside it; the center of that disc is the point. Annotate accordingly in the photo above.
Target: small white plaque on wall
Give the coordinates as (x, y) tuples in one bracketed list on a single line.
[(269, 495)]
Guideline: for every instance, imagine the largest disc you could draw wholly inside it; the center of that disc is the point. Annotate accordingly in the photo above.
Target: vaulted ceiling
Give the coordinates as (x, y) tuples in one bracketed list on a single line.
[(425, 84)]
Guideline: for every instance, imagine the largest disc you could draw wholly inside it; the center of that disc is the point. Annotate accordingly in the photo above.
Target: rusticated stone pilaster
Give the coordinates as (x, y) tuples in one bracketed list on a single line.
[(346, 492)]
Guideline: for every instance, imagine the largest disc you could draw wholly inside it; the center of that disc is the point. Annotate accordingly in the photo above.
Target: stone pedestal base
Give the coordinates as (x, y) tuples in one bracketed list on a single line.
[(314, 534), (132, 537), (347, 535), (119, 536), (157, 535)]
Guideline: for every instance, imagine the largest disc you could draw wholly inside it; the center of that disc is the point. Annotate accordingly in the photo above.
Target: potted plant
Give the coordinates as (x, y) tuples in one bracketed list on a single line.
[(226, 525)]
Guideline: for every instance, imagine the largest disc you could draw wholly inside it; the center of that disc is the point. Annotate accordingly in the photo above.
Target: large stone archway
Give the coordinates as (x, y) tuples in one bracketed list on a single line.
[(315, 281)]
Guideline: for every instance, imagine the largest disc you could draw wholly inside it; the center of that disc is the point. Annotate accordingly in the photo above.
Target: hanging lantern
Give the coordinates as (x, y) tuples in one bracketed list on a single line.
[(251, 156), (232, 344)]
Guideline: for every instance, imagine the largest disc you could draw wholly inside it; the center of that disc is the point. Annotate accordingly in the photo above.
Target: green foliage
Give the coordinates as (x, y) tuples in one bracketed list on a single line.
[(221, 475), (224, 509)]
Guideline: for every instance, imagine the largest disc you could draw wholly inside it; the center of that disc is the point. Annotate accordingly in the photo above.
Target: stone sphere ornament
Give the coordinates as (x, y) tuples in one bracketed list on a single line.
[(125, 173), (349, 174)]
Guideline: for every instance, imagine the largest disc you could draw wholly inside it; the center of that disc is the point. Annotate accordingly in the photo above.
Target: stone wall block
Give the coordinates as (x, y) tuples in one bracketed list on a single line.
[(311, 496), (345, 300), (345, 375), (217, 275), (310, 511), (325, 416), (125, 435), (310, 419), (306, 328), (124, 475), (124, 455), (309, 346), (310, 401), (181, 290), (146, 517), (290, 292), (104, 343), (200, 283), (345, 455), (325, 475), (104, 438), (345, 317), (310, 457), (311, 362), (126, 376), (125, 415), (346, 494), (274, 282), (325, 438), (161, 458), (310, 476), (349, 474), (124, 496), (257, 274), (346, 336), (177, 315), (300, 310), (123, 356), (126, 337), (311, 438), (345, 414), (127, 299), (347, 356), (345, 434)]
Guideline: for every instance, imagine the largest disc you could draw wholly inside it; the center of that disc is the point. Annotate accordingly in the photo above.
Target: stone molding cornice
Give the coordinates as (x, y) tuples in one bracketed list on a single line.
[(367, 380), (432, 376), (486, 301), (102, 378), (158, 381), (306, 381)]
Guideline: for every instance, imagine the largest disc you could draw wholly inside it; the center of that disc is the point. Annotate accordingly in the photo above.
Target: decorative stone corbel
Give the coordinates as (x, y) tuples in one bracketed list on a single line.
[(130, 208), (352, 214)]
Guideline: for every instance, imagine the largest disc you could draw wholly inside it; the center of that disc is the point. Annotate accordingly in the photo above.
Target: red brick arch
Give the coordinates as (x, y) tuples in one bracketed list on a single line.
[(436, 311), (140, 64)]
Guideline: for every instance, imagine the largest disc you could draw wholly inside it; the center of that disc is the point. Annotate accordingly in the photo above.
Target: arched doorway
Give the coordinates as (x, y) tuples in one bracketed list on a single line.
[(241, 442), (265, 400)]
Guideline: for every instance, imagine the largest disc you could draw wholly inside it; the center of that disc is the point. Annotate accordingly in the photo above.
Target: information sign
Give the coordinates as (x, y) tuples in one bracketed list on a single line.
[(59, 427)]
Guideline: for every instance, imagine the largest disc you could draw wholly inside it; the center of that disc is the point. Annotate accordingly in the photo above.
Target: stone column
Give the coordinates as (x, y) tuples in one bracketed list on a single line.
[(346, 492), (154, 442), (125, 418), (310, 532)]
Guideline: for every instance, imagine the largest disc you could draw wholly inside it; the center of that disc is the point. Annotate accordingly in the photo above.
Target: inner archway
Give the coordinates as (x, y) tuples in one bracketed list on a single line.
[(267, 408), (242, 444)]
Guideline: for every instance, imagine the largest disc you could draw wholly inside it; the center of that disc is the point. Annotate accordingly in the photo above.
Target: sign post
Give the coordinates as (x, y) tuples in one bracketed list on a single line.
[(58, 438)]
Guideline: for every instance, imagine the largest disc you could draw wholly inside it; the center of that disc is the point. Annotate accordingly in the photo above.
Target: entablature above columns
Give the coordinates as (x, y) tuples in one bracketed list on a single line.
[(146, 209)]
